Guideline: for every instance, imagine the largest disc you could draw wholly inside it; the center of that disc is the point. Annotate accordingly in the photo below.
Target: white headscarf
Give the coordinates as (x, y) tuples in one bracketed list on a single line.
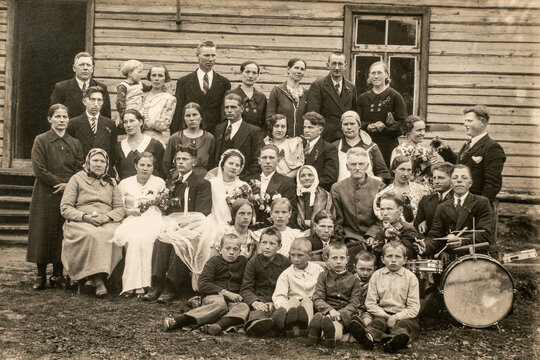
[(300, 190)]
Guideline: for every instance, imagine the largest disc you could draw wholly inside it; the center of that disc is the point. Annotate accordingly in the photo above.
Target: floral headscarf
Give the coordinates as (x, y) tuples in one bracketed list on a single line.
[(105, 176), (300, 190)]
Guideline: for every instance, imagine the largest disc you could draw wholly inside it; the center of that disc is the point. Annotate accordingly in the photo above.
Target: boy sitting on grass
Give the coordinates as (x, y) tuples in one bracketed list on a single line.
[(336, 298), (260, 277), (295, 287), (365, 266), (393, 299), (219, 285)]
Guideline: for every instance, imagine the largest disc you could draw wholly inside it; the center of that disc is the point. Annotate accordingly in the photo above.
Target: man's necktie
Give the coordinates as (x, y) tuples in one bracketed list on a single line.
[(337, 89), (465, 149), (83, 87), (93, 124), (206, 84), (228, 132), (458, 204), (307, 149)]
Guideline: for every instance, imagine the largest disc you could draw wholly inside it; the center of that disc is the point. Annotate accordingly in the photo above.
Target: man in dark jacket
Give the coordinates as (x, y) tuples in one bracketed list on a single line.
[(70, 92), (332, 95), (203, 86), (483, 156)]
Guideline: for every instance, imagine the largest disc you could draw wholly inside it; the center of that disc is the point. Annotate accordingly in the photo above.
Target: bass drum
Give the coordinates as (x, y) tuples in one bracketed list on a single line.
[(477, 290)]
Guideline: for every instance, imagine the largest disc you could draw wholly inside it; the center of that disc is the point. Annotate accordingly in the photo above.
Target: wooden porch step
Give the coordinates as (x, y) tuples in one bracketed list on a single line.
[(16, 187), (15, 199), (13, 239), (14, 227), (14, 212)]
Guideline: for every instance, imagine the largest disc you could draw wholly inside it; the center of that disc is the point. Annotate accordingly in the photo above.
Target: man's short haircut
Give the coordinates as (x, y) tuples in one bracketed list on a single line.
[(271, 231), (94, 89), (186, 149), (314, 118), (233, 96), (480, 110), (462, 166), (281, 201), (271, 121), (157, 66), (444, 167), (357, 151), (323, 214), (395, 244), (129, 66), (365, 256), (335, 245), (271, 147), (229, 237), (390, 196), (83, 54), (337, 53), (302, 242), (144, 154), (206, 43)]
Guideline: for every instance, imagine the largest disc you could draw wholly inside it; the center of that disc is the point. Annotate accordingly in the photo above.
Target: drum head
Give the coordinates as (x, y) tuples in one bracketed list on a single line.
[(477, 291)]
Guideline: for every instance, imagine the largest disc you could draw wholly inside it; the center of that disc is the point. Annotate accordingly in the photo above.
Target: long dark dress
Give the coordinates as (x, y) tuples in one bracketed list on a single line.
[(254, 108), (54, 159), (376, 107), (204, 144), (125, 156)]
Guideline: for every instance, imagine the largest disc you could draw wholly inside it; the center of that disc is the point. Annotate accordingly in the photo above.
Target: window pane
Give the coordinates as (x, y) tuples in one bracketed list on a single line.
[(402, 76), (402, 32), (370, 32), (362, 67)]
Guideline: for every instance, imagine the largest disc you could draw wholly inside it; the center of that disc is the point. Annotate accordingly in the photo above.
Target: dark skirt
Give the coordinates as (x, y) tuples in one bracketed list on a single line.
[(45, 233)]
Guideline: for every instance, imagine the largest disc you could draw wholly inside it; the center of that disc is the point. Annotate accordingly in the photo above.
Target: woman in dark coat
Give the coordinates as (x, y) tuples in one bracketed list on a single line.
[(382, 110), (289, 98), (56, 156)]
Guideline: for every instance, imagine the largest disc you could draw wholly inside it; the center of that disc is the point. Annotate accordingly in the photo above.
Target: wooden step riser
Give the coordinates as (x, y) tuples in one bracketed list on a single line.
[(18, 219), (16, 192), (16, 180)]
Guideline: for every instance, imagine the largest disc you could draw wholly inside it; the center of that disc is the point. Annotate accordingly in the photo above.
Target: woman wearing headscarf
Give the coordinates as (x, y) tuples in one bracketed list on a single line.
[(92, 206), (310, 197), (56, 156), (354, 136)]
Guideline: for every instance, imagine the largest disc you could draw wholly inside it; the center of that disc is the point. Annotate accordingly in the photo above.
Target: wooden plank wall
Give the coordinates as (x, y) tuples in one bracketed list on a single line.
[(481, 51), (3, 37)]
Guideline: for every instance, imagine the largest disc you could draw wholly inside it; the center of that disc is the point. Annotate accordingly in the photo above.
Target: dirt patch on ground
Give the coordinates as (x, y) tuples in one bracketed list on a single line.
[(57, 324)]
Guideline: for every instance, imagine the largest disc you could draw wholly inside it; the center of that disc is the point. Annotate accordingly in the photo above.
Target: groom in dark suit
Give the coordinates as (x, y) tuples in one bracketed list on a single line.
[(238, 134), (70, 92), (203, 86), (92, 129), (331, 96), (168, 271), (480, 153)]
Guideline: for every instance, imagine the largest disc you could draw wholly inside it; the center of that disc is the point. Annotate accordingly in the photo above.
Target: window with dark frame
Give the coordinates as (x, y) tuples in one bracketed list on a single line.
[(399, 37)]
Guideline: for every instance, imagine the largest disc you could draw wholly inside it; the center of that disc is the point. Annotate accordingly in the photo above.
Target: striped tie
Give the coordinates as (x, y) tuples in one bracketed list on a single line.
[(206, 85), (228, 132), (93, 124)]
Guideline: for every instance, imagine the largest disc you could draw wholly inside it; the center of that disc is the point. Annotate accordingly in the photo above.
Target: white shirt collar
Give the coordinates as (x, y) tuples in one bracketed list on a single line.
[(186, 175), (234, 126), (90, 116), (477, 138), (267, 178), (337, 82), (462, 198), (200, 76), (126, 149), (443, 195), (80, 82), (313, 142)]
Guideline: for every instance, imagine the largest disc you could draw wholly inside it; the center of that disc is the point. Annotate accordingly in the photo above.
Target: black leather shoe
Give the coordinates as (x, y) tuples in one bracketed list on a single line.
[(58, 281), (166, 296), (40, 283), (152, 295)]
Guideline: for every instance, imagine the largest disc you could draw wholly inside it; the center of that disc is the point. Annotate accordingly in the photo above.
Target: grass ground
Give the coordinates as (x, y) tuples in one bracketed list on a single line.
[(58, 324)]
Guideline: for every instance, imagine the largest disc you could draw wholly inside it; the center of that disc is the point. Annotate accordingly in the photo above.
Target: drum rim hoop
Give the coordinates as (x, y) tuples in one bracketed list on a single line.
[(473, 257)]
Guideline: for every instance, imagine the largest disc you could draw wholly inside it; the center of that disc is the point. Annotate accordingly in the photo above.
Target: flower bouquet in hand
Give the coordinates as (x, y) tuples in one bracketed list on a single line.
[(163, 201)]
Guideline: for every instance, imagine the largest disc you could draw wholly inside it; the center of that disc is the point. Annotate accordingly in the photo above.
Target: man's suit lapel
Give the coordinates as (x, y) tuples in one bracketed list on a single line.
[(193, 84), (452, 214), (315, 152), (241, 135), (215, 84), (465, 211), (465, 156), (75, 91), (272, 188), (87, 135), (329, 88), (101, 132)]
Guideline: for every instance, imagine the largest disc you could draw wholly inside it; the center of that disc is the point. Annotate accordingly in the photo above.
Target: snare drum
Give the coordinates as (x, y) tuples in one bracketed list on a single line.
[(477, 290), (424, 266)]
